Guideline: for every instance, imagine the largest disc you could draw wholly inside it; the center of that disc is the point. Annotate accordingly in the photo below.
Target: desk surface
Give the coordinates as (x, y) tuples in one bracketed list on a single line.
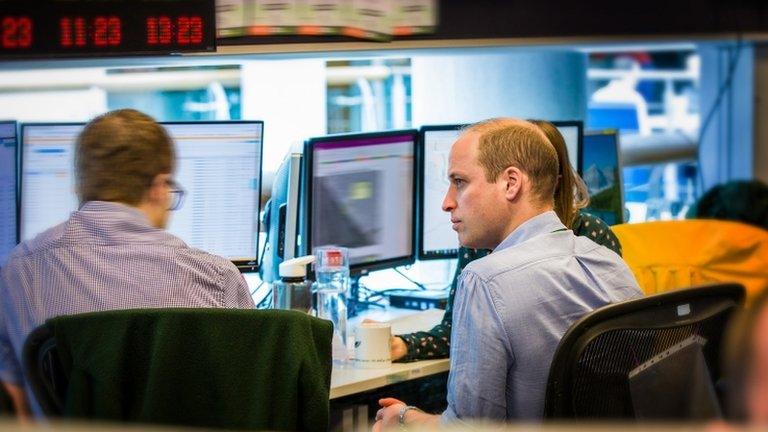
[(349, 380)]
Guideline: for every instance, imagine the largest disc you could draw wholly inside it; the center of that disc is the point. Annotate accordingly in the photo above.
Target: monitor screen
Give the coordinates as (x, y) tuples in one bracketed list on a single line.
[(8, 238), (218, 164), (361, 195), (572, 132), (437, 240), (602, 174)]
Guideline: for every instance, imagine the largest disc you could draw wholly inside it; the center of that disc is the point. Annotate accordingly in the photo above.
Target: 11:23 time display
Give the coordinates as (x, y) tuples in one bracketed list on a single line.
[(108, 27)]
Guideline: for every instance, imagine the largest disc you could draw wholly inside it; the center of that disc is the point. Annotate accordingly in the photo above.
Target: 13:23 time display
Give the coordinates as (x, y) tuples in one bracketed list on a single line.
[(107, 27)]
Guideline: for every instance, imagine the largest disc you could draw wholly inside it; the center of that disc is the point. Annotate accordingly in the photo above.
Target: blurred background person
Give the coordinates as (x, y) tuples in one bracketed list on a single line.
[(739, 201)]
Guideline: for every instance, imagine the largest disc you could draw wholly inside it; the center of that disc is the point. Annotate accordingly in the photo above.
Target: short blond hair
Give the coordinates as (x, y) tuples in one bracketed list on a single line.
[(506, 142), (119, 154)]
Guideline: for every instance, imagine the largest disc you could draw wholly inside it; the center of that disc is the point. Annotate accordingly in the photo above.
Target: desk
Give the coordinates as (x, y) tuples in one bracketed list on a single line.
[(349, 380), (355, 392)]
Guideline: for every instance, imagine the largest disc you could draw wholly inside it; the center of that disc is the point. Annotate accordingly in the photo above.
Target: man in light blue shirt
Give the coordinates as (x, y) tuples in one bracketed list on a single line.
[(513, 306)]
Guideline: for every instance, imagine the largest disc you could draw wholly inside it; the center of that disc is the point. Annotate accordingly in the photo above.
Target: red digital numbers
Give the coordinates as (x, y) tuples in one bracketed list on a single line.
[(99, 31), (182, 30), (16, 32)]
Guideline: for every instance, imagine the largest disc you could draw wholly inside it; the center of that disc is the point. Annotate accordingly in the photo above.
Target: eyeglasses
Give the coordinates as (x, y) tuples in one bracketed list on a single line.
[(177, 194)]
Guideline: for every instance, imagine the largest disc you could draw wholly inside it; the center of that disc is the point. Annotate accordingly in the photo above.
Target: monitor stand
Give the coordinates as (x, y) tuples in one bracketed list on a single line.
[(354, 304)]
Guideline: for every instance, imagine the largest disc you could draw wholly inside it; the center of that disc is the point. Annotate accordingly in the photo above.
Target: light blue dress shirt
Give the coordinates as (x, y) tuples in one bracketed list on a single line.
[(513, 307)]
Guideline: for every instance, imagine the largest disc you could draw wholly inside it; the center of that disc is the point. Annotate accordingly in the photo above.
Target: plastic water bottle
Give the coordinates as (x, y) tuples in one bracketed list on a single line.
[(292, 291), (331, 286)]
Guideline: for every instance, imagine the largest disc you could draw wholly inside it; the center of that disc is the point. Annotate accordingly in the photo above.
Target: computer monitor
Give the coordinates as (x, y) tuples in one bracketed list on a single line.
[(218, 164), (601, 167), (8, 193), (621, 116), (281, 217), (437, 240), (573, 134), (361, 194)]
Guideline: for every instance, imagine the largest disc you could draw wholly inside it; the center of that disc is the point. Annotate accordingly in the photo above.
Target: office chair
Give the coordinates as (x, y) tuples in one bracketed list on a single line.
[(655, 357), (213, 368), (44, 372), (667, 255)]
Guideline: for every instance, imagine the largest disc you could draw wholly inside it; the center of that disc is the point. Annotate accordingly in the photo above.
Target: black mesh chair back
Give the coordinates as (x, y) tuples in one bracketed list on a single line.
[(590, 373), (44, 372)]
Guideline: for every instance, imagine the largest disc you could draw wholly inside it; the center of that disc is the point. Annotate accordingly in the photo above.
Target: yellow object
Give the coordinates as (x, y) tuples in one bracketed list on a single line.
[(361, 191), (676, 254)]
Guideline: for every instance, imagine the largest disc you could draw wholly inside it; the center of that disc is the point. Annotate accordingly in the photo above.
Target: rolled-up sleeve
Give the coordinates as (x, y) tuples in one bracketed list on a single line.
[(481, 356)]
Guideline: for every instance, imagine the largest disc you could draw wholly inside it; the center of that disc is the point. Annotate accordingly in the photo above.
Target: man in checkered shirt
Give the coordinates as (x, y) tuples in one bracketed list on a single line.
[(113, 252)]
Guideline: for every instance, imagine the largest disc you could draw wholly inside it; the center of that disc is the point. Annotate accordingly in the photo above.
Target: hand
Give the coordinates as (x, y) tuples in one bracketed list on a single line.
[(389, 415), (19, 401), (398, 348)]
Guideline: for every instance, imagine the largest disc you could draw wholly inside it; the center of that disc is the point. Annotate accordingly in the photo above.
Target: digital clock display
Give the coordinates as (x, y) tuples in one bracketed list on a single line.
[(77, 28)]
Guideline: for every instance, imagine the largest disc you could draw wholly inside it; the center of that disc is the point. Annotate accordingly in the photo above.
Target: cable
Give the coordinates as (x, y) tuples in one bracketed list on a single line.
[(257, 288), (260, 257), (419, 285), (265, 302), (725, 86)]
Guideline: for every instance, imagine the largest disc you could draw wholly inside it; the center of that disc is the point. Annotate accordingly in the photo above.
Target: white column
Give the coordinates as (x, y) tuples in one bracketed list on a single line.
[(548, 85), (290, 96), (727, 145)]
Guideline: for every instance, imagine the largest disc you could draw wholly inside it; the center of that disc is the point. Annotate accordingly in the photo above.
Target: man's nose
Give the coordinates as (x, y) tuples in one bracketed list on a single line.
[(449, 203)]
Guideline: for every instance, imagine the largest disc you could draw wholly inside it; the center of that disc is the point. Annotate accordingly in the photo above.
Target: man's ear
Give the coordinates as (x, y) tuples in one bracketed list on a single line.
[(156, 191), (514, 179)]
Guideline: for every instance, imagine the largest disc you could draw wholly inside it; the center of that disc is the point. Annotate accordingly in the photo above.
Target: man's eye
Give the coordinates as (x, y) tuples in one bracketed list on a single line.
[(458, 182)]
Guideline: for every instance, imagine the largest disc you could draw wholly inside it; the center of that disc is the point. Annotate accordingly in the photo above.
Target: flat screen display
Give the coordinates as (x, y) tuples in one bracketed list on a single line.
[(218, 164)]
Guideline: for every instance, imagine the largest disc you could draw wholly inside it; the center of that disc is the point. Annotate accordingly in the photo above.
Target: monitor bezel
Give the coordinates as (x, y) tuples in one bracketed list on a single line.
[(619, 161), (22, 143), (359, 269), (579, 145), (17, 177), (423, 255), (242, 265)]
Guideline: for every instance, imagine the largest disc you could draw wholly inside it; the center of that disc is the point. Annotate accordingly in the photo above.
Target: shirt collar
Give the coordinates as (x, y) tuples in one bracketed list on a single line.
[(543, 223), (129, 212)]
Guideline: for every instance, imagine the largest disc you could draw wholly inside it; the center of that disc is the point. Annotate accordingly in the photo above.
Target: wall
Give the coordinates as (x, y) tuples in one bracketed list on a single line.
[(461, 89), (290, 96)]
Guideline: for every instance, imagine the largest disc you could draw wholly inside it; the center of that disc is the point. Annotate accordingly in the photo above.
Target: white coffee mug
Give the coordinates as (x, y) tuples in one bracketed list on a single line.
[(372, 346)]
